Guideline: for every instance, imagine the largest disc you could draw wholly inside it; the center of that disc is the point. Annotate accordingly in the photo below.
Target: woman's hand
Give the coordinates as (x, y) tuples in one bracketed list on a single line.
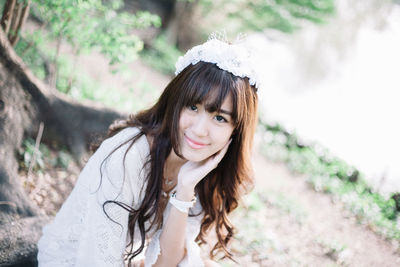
[(175, 226), (191, 172)]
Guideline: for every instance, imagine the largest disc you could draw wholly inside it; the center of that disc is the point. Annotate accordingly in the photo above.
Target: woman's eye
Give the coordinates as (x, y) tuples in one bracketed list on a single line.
[(219, 118), (193, 107)]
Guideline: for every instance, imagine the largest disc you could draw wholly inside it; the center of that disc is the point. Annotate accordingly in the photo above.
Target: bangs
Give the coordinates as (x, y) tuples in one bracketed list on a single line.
[(209, 85)]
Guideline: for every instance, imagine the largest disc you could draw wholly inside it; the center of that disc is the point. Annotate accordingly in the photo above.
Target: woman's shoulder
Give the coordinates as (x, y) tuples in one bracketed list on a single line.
[(117, 158), (119, 148), (125, 133), (125, 137)]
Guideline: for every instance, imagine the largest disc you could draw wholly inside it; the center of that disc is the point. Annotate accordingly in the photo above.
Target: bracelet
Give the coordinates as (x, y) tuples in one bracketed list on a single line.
[(182, 206)]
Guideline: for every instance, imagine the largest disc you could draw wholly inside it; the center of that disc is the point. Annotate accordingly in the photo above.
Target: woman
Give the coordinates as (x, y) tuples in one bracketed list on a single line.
[(167, 175)]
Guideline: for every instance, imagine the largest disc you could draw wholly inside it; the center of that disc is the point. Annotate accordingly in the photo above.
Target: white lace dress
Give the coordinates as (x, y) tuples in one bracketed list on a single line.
[(81, 233)]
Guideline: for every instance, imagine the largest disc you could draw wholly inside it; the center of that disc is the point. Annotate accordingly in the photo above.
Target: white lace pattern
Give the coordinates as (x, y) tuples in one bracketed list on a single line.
[(82, 235), (234, 58)]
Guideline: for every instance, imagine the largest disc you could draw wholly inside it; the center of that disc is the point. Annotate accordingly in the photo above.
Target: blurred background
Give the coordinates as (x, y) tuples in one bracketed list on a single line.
[(326, 164), (337, 84)]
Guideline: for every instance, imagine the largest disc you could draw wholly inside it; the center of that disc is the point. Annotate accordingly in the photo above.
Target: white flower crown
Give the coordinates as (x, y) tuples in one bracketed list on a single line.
[(234, 58)]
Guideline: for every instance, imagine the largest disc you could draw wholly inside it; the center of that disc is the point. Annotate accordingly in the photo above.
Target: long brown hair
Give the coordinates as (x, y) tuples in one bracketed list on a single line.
[(219, 192)]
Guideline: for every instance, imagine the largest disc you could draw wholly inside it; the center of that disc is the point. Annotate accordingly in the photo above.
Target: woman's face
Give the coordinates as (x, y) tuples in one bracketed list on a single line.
[(204, 133)]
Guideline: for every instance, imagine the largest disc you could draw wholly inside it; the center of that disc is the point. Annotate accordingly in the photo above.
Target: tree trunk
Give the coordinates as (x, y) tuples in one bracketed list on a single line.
[(25, 102), (22, 16), (8, 12), (180, 28), (177, 17), (18, 238)]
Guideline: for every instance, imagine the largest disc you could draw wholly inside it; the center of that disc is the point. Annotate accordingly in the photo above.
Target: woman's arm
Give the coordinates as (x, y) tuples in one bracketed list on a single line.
[(172, 239)]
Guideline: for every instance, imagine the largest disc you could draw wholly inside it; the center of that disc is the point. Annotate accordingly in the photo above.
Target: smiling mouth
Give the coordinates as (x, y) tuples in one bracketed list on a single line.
[(194, 144)]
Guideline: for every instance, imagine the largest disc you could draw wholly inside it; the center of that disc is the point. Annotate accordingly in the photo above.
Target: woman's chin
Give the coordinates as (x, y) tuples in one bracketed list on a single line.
[(195, 157)]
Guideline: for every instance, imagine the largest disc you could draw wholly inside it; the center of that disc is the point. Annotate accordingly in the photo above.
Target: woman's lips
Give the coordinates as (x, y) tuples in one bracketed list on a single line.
[(194, 144)]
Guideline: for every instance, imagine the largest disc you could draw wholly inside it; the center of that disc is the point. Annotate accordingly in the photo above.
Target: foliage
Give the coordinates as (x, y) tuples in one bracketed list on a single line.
[(162, 56), (256, 242), (80, 86), (95, 24), (86, 26), (28, 48), (44, 156), (27, 153), (258, 15), (332, 175), (335, 250), (70, 81)]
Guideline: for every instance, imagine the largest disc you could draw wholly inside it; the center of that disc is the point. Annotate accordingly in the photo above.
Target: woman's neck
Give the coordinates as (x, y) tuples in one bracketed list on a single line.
[(172, 165)]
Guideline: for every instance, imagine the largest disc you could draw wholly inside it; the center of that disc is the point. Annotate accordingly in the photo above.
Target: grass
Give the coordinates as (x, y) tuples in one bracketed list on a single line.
[(253, 242), (44, 156), (336, 250), (332, 175)]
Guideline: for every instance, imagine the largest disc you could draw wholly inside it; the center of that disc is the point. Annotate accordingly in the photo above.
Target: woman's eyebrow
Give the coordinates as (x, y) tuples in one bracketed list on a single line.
[(225, 112), (212, 109)]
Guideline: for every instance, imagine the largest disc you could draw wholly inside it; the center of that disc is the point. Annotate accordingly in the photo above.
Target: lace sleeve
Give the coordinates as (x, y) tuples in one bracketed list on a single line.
[(82, 233)]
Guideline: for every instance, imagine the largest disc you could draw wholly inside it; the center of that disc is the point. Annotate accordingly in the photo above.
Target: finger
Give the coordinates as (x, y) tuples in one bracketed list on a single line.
[(213, 161)]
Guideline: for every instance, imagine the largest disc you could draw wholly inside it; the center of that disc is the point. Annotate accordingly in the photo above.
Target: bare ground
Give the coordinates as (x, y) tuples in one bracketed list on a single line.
[(315, 230)]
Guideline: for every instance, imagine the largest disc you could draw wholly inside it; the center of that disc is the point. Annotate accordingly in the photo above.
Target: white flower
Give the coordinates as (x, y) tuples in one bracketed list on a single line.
[(234, 58)]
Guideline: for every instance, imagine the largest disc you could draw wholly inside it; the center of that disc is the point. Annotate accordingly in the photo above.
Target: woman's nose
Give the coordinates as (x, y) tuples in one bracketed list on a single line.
[(200, 125)]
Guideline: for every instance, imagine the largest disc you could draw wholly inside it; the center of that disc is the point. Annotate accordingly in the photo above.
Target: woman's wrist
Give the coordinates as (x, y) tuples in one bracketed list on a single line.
[(182, 206), (184, 193)]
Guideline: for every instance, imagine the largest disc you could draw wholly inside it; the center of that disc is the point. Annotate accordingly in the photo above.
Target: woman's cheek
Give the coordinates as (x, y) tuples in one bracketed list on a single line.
[(183, 121)]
